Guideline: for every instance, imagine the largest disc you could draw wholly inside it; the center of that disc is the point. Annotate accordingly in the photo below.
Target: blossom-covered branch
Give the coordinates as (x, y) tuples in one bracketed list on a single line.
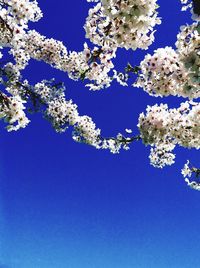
[(110, 25), (48, 98)]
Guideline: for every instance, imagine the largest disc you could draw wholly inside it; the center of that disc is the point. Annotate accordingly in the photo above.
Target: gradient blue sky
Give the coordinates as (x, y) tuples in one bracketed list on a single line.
[(67, 205)]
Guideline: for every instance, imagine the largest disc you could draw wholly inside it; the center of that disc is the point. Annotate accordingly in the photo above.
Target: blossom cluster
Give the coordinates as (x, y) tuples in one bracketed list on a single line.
[(174, 72), (127, 24), (14, 18), (45, 97), (49, 98), (21, 11), (92, 64), (63, 113), (163, 128), (111, 24), (188, 49), (188, 171), (12, 111)]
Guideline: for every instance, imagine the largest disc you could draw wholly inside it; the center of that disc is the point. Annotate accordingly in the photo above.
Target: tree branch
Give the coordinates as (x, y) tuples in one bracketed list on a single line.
[(196, 7)]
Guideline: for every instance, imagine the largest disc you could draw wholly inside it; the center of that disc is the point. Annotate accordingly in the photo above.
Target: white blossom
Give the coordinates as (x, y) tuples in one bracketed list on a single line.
[(128, 24), (163, 128), (111, 24), (174, 72)]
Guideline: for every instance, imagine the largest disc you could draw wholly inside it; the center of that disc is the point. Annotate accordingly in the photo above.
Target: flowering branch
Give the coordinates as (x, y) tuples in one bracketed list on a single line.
[(110, 25)]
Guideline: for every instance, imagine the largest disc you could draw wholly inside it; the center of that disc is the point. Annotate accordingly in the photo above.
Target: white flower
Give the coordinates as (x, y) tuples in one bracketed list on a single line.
[(129, 131), (186, 171)]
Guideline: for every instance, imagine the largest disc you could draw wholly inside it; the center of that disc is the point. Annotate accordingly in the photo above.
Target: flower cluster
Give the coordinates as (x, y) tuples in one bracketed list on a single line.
[(63, 113), (174, 72), (49, 98), (162, 74), (187, 173), (14, 17), (188, 49), (111, 24), (22, 11), (92, 64), (127, 24), (12, 111), (163, 128)]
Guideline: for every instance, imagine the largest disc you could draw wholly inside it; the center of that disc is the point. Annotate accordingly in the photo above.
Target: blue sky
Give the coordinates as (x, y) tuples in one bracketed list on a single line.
[(67, 205)]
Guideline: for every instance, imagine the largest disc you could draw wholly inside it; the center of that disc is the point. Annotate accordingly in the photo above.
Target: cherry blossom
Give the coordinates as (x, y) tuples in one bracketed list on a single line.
[(110, 25)]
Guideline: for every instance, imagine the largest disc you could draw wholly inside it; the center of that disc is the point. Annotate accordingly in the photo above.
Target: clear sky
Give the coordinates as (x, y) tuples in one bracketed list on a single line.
[(67, 205)]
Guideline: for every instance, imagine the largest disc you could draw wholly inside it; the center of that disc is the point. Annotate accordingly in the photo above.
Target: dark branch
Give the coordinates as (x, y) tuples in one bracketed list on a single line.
[(196, 7)]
